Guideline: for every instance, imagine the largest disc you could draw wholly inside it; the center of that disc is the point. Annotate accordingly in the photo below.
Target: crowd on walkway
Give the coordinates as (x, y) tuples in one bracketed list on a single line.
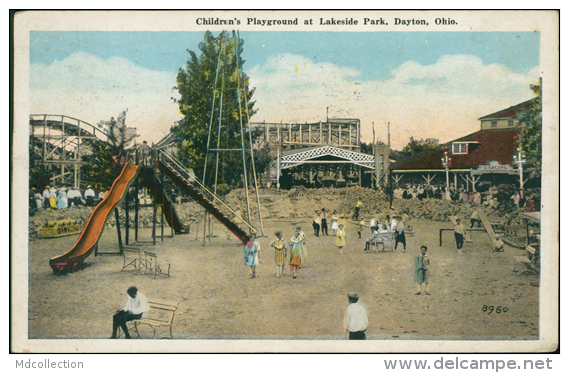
[(52, 198), (474, 198), (440, 191)]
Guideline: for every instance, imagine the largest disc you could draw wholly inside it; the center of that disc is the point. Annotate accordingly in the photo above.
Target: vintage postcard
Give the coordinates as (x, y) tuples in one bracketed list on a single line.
[(285, 181)]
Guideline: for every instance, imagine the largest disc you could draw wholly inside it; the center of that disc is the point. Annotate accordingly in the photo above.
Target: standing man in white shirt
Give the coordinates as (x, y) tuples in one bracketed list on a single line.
[(89, 196), (134, 308), (74, 197), (356, 318)]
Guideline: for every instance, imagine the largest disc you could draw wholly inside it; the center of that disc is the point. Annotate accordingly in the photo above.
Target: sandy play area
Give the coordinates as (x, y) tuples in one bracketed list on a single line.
[(217, 299)]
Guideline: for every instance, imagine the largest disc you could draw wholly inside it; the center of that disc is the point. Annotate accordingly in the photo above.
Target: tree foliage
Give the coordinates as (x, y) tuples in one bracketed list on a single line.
[(213, 92), (39, 177), (104, 163), (366, 148), (263, 160), (415, 147), (102, 167), (120, 136), (529, 140)]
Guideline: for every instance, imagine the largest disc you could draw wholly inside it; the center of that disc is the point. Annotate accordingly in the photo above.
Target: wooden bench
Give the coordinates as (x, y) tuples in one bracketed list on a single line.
[(152, 264), (132, 257), (160, 314), (383, 239), (529, 259)]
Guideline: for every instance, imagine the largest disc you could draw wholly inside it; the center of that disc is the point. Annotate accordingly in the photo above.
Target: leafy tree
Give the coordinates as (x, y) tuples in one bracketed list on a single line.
[(529, 139), (419, 146), (105, 163), (102, 167), (263, 159), (366, 148), (120, 136), (414, 147), (39, 177), (213, 92)]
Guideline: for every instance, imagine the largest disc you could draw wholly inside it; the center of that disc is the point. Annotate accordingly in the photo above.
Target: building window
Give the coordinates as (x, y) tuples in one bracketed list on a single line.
[(494, 123), (459, 148), (510, 122)]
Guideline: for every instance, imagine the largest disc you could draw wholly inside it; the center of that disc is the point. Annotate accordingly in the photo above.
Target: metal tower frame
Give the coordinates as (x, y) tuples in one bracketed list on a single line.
[(219, 86)]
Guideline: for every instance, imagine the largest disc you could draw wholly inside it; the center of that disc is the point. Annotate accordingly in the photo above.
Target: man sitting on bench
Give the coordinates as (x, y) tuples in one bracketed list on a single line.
[(134, 308)]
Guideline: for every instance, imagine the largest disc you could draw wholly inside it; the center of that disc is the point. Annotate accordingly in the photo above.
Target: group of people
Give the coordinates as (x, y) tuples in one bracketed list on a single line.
[(294, 252), (356, 315), (460, 194), (297, 252), (460, 233), (386, 228), (320, 223), (61, 198), (388, 224), (521, 201), (421, 191)]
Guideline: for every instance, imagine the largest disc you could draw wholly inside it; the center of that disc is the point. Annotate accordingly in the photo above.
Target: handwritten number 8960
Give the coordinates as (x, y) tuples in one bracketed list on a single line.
[(490, 309)]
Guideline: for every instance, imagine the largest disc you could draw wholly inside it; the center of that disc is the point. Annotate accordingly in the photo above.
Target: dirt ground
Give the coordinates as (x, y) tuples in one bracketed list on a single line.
[(218, 300)]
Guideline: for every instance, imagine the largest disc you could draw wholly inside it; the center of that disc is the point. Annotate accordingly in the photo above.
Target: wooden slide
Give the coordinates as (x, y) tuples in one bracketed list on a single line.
[(487, 225), (160, 197)]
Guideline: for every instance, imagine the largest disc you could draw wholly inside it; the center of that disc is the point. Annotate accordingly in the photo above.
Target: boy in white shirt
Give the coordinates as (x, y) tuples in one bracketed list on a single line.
[(356, 318)]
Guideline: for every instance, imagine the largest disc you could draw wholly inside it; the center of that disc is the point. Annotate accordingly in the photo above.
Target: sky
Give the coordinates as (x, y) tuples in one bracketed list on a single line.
[(425, 84)]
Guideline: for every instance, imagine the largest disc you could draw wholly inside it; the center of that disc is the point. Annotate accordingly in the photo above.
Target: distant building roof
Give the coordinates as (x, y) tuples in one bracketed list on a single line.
[(166, 141), (509, 113), (325, 153), (484, 146)]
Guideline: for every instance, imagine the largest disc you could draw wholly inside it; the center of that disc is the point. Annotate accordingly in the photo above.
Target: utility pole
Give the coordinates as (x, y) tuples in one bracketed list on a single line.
[(519, 160), (388, 135), (447, 161)]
